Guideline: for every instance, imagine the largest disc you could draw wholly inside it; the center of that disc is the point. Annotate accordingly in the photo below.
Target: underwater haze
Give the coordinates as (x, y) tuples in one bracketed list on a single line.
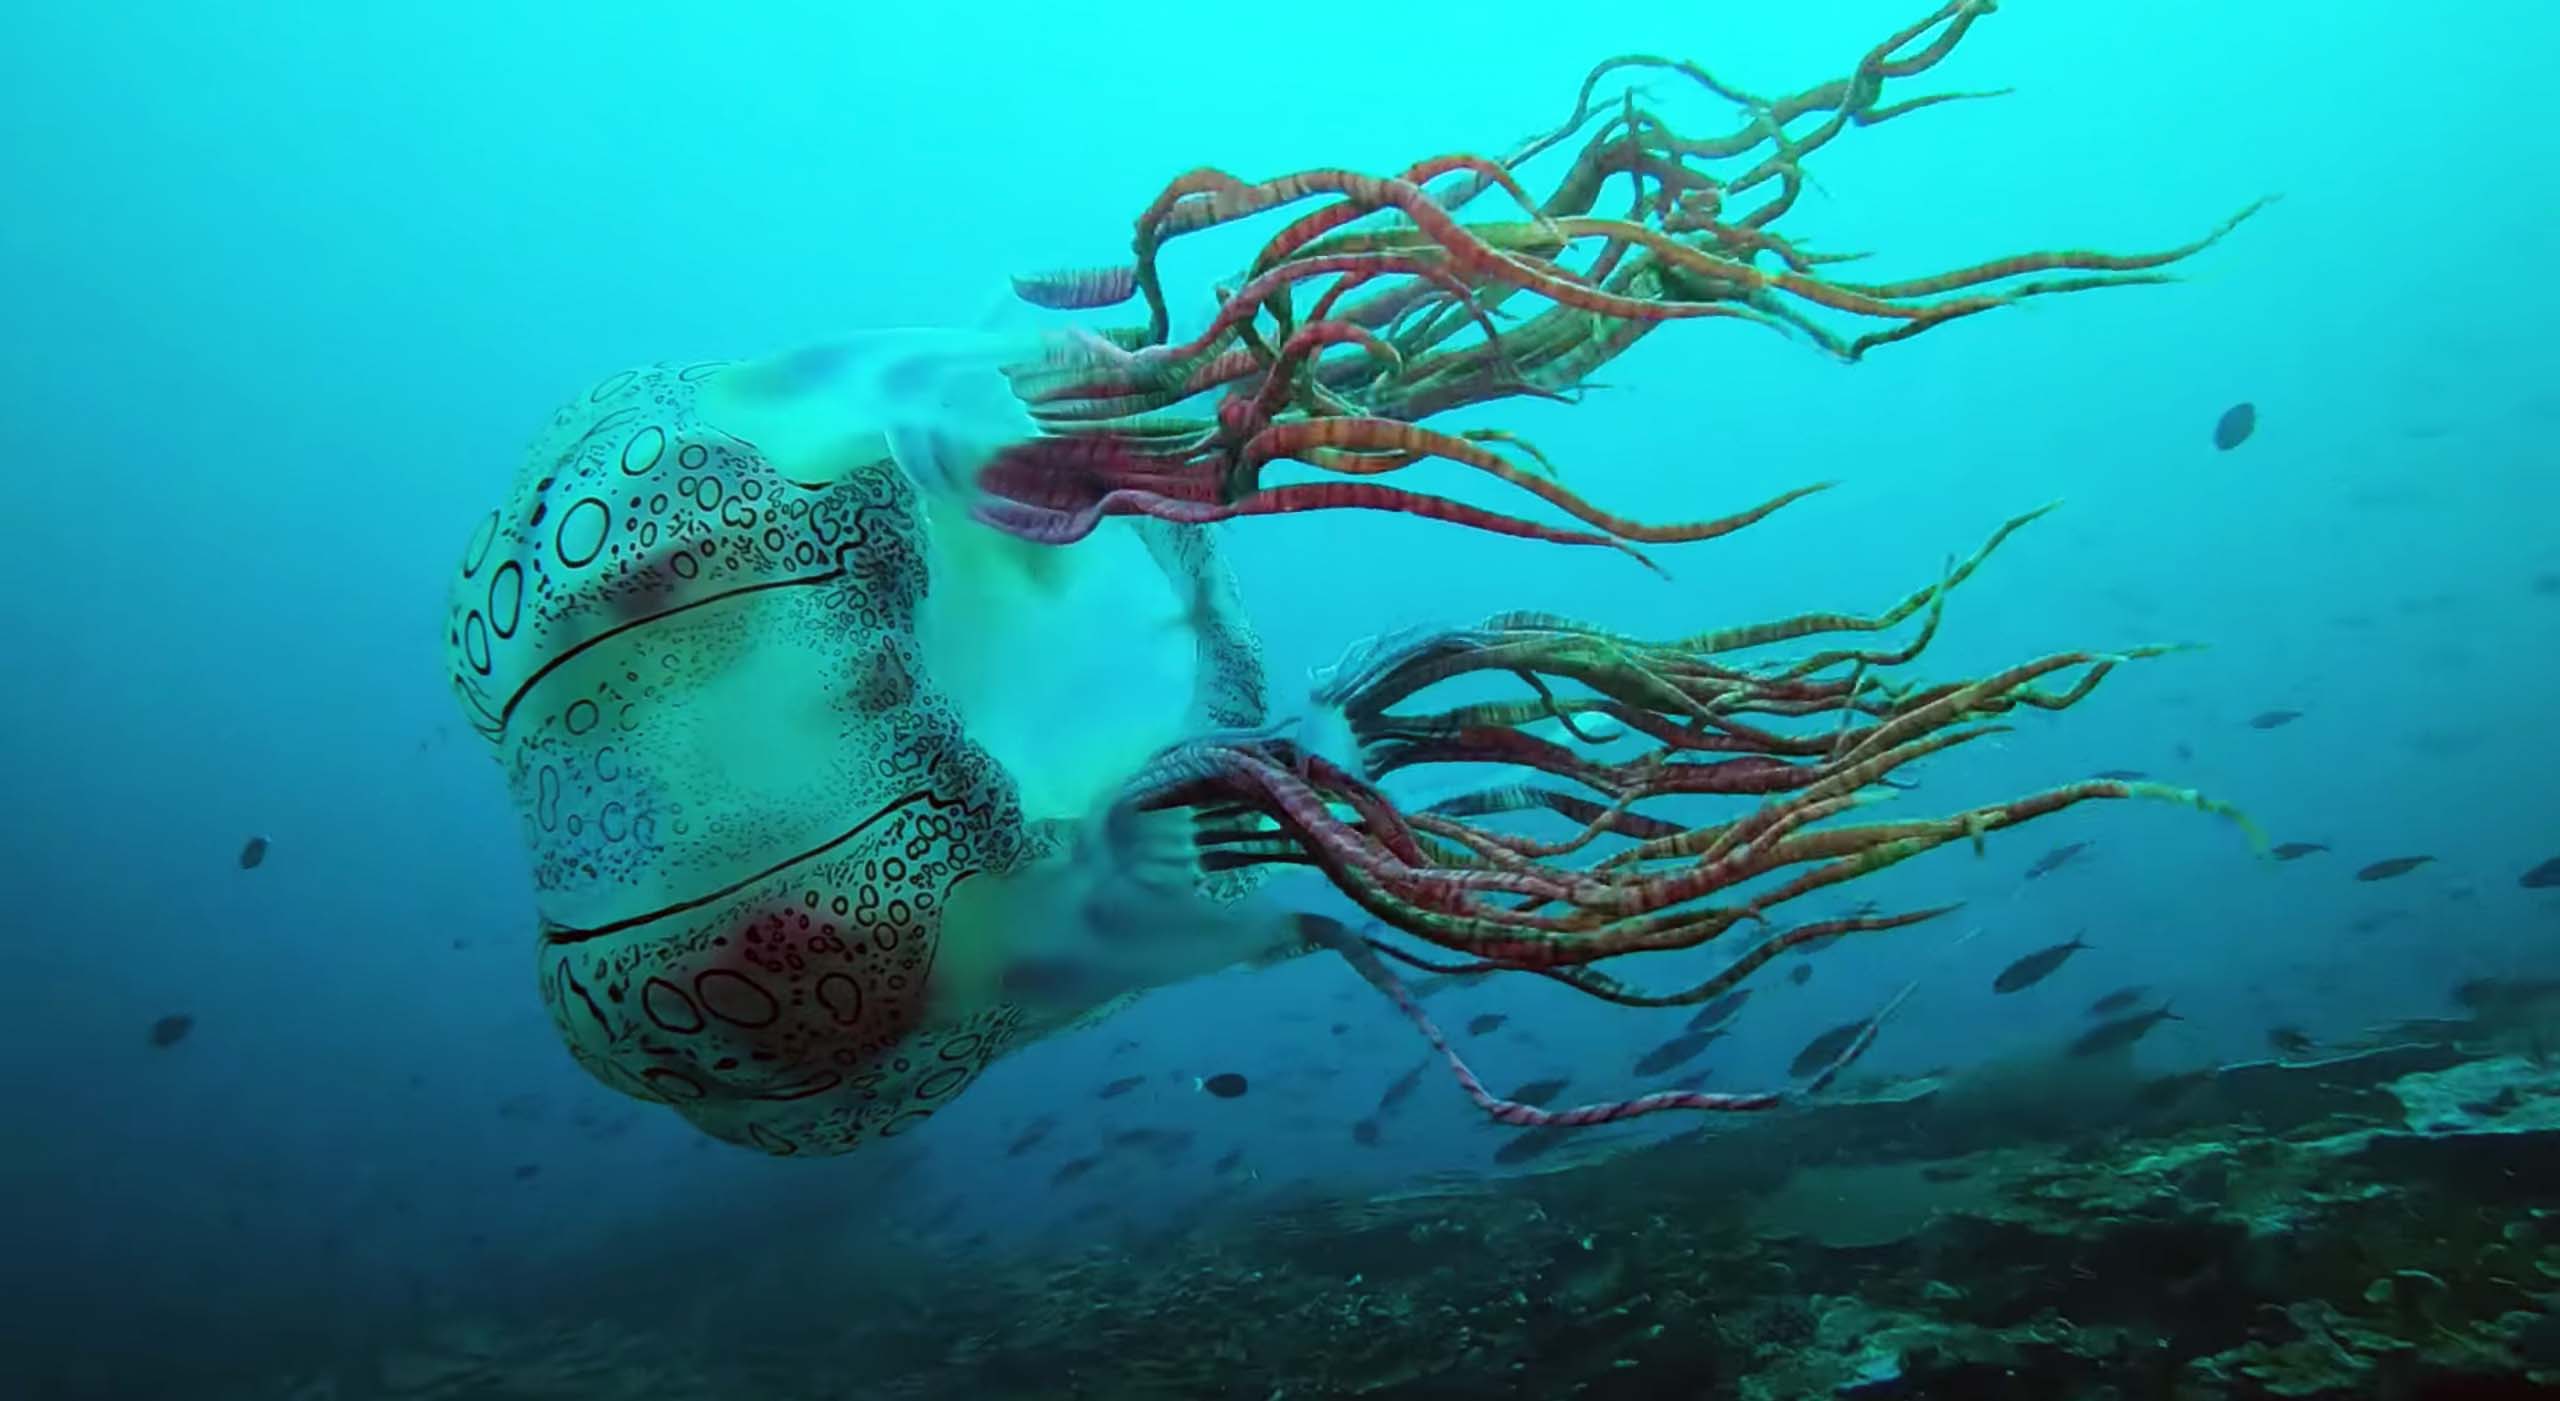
[(290, 288)]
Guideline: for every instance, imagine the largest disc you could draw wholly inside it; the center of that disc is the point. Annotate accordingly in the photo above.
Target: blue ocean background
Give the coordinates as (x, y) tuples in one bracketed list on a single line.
[(289, 287)]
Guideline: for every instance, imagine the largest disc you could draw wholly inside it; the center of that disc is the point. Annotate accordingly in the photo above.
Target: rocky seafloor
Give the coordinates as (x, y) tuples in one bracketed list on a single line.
[(2379, 1224)]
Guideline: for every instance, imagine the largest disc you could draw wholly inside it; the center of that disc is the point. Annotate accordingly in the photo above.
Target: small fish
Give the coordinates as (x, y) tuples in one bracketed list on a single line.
[(1801, 974), (2169, 1089), (2366, 924), (1121, 1086), (2122, 775), (1531, 1143), (1225, 1085), (253, 853), (1720, 1010), (1941, 1172), (2290, 1040), (2183, 750), (526, 1172), (1337, 1029), (1539, 1091), (1483, 1022), (1403, 1088), (2037, 966), (2234, 427), (2056, 859), (1826, 1048), (2542, 877), (1676, 1052), (2116, 1001), (2396, 866), (1171, 1141), (2295, 851), (1074, 1168), (1227, 1162), (172, 1029), (2123, 1031), (1365, 1133), (2273, 719), (1031, 1137)]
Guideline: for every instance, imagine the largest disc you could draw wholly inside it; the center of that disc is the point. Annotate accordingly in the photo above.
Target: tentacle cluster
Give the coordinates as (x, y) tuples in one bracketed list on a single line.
[(1631, 867), (1379, 307)]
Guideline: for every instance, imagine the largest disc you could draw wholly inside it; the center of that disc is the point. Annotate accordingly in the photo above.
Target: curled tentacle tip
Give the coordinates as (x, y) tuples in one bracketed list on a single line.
[(2148, 650), (1642, 558), (1077, 289)]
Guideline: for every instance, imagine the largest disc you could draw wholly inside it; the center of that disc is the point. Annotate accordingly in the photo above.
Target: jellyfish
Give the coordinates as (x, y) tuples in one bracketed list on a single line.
[(767, 773), (876, 708)]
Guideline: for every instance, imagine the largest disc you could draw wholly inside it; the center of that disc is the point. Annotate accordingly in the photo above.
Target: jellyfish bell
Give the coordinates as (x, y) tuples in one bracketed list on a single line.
[(816, 771)]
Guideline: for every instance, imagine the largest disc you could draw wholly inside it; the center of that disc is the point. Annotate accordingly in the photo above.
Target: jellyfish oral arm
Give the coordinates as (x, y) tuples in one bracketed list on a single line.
[(1801, 742), (1375, 308), (1088, 927)]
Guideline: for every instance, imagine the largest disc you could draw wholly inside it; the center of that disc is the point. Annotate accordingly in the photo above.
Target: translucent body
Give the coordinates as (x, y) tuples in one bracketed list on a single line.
[(766, 708)]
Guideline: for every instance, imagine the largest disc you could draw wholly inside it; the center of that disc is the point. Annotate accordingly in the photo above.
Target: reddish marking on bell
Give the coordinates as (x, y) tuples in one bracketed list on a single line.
[(759, 944)]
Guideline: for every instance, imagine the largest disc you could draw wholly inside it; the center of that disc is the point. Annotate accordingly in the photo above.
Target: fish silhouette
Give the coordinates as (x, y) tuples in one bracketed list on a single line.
[(1826, 1048), (1720, 1010), (2116, 1001), (2235, 426), (2037, 966), (1677, 1051), (2123, 1031), (2056, 859)]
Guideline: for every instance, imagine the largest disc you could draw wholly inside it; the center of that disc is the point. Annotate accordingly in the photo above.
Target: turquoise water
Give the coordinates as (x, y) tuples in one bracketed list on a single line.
[(289, 287)]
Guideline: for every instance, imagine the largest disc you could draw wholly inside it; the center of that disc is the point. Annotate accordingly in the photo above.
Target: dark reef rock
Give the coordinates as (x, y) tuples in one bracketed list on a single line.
[(2384, 1224)]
